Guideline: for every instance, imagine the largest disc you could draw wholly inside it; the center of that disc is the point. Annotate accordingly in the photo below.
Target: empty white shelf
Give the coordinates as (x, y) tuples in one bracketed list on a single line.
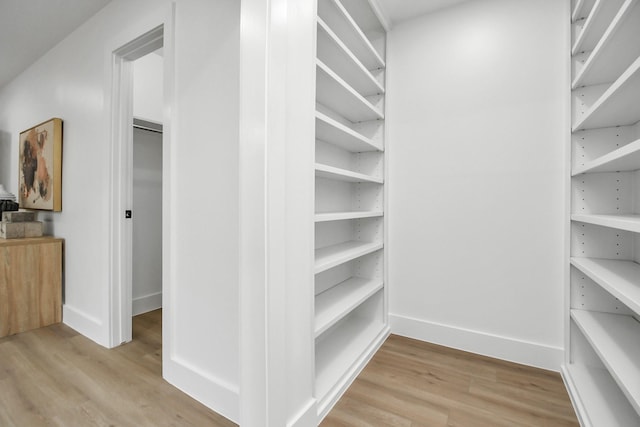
[(330, 172), (349, 342), (616, 339), (334, 132), (338, 301), (599, 397), (333, 13), (596, 24), (616, 50), (338, 216), (630, 222), (618, 106), (620, 278), (582, 9), (333, 92), (331, 256), (366, 14), (333, 52), (625, 158)]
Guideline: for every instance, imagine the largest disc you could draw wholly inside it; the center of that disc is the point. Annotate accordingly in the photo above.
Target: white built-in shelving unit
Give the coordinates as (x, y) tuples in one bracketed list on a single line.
[(350, 294), (602, 369)]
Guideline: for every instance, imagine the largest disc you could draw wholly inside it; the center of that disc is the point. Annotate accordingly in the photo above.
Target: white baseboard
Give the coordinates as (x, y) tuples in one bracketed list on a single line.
[(510, 349), (327, 403), (146, 303), (212, 392), (306, 416), (572, 390), (85, 324)]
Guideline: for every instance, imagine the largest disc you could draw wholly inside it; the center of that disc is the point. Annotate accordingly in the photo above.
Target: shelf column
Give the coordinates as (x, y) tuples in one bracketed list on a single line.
[(276, 210), (602, 372)]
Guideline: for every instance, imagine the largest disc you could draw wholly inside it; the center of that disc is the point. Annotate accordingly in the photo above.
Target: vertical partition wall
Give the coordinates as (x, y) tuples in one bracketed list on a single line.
[(602, 369), (350, 301)]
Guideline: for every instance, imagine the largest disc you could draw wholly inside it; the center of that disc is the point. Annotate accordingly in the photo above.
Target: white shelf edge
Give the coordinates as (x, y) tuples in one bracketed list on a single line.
[(332, 256), (339, 174), (588, 24), (381, 14), (377, 113), (567, 372), (620, 278), (602, 43), (596, 397), (630, 222), (335, 303), (366, 73), (338, 216), (609, 94), (576, 10), (357, 137), (615, 157), (360, 34), (616, 340)]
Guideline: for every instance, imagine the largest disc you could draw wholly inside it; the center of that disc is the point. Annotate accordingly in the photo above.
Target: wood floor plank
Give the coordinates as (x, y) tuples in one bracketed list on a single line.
[(356, 413), (462, 401), (526, 400), (447, 358), (399, 402), (429, 374), (433, 385), (533, 380), (469, 417)]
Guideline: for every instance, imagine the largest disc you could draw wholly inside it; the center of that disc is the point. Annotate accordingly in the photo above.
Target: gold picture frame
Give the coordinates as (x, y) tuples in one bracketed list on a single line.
[(40, 166)]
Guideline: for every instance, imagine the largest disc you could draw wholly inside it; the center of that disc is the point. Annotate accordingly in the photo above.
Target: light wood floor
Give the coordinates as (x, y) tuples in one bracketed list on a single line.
[(413, 383), (55, 377)]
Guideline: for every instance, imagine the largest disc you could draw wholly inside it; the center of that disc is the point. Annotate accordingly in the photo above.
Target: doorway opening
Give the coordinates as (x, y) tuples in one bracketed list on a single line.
[(136, 183), (147, 184)]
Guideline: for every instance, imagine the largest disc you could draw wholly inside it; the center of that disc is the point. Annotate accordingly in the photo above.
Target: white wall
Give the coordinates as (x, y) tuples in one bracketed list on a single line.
[(6, 160), (73, 82), (147, 221), (477, 120), (147, 88)]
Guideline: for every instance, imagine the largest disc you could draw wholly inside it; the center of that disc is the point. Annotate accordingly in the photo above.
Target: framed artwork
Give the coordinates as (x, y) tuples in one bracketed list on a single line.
[(40, 166)]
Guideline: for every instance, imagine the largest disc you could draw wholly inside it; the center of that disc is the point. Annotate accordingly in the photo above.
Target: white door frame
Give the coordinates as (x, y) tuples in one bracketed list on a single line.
[(121, 196)]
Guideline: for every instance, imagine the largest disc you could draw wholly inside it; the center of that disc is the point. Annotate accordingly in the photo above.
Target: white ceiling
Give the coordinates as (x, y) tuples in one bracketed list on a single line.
[(400, 10), (29, 28)]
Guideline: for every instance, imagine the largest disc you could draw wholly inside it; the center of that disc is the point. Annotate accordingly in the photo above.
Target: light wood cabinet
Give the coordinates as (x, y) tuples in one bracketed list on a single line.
[(30, 284)]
